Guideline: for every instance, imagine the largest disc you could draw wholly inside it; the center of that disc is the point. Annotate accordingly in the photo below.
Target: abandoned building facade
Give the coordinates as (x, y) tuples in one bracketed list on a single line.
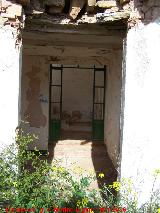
[(87, 70)]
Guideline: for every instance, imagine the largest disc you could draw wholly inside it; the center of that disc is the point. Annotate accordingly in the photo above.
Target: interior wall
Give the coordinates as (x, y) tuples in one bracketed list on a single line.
[(34, 100), (77, 97), (113, 106)]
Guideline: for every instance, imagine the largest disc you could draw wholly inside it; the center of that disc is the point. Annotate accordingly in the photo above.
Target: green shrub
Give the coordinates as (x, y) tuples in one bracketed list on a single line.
[(27, 180)]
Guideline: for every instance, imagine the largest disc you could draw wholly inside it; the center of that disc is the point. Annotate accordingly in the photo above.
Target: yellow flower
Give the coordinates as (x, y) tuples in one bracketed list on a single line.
[(84, 201), (78, 203), (92, 172), (101, 175), (78, 170), (54, 168), (61, 169), (158, 210), (156, 172), (116, 185)]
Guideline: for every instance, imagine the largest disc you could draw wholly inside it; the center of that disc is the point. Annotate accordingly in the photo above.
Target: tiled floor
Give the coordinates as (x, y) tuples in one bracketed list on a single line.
[(85, 153)]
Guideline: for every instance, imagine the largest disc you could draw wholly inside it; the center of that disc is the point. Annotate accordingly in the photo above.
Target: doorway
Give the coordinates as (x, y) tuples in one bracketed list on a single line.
[(77, 102)]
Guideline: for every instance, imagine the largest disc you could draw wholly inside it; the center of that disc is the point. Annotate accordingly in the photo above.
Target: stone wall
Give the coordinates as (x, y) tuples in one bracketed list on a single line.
[(75, 9)]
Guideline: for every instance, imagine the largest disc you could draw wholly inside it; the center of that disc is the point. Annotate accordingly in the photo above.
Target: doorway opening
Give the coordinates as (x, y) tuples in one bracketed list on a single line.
[(77, 102)]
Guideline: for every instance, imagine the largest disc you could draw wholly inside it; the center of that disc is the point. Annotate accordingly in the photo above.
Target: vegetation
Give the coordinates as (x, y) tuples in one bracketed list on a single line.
[(28, 181)]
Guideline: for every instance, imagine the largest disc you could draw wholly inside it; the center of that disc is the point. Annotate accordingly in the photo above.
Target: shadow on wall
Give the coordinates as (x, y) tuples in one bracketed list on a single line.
[(97, 153)]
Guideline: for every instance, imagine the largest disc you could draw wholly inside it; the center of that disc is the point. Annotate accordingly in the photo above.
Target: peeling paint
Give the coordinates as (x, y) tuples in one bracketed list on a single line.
[(34, 113)]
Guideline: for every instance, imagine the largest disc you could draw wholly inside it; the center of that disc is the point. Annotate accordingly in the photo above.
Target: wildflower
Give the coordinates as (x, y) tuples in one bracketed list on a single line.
[(78, 203), (84, 201), (158, 210), (91, 172), (78, 170), (156, 172), (54, 168), (61, 169), (116, 185), (101, 175)]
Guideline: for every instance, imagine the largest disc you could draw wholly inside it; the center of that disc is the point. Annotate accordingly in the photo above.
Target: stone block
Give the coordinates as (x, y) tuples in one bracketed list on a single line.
[(153, 3), (106, 4), (5, 4), (127, 7), (91, 3), (13, 11), (75, 8), (122, 2), (57, 3), (156, 12), (149, 15), (54, 10), (55, 6), (113, 9)]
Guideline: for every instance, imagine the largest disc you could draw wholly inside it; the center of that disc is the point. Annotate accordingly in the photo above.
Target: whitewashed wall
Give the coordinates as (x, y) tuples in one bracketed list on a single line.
[(10, 64), (141, 133)]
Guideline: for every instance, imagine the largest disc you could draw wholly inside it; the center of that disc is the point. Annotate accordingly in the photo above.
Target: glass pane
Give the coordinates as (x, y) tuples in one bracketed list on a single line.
[(55, 111), (98, 111), (55, 94), (99, 95), (99, 78), (56, 77)]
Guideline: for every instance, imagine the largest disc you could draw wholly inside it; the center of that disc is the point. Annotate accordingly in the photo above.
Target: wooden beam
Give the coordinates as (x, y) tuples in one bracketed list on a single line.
[(23, 2)]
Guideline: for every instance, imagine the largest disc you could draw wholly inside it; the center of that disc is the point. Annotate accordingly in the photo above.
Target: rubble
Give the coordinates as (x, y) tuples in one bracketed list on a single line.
[(75, 8), (122, 2), (106, 4), (91, 6)]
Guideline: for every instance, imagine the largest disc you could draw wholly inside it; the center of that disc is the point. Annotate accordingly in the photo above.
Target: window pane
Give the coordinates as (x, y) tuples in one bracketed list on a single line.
[(55, 111), (99, 78), (99, 95), (98, 111), (55, 94), (56, 77)]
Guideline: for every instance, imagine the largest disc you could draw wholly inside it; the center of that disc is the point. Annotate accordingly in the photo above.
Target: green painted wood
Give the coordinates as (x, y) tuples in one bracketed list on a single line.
[(98, 129), (55, 130), (98, 123)]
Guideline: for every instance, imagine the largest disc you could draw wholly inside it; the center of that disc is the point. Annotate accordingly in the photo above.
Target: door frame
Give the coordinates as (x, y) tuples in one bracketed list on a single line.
[(58, 122)]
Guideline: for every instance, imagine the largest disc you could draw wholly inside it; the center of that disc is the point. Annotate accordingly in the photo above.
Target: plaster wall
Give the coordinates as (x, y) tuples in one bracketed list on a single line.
[(77, 97), (113, 106), (10, 65), (34, 100), (43, 56), (140, 141)]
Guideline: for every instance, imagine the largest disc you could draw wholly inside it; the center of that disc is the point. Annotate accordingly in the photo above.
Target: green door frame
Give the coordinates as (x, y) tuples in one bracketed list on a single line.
[(55, 123), (97, 124)]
